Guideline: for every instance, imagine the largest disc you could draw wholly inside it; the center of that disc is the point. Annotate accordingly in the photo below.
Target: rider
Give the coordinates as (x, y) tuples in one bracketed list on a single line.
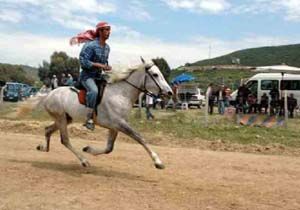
[(93, 60)]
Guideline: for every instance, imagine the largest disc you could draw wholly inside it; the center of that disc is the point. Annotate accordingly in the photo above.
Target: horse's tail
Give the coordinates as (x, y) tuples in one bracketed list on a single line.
[(34, 103)]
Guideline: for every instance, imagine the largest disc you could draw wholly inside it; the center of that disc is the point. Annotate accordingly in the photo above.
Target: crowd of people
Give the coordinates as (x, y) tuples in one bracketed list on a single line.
[(63, 81), (220, 96), (247, 102)]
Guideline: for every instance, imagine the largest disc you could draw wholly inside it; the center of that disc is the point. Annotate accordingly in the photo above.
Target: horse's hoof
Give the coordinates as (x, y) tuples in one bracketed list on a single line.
[(159, 166), (38, 147), (85, 164)]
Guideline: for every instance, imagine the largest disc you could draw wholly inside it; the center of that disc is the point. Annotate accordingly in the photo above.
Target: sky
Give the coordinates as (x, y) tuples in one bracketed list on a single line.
[(180, 31)]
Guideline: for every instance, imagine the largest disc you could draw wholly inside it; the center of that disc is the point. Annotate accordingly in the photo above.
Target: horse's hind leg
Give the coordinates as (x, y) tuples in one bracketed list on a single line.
[(49, 130), (125, 128), (66, 142), (109, 147)]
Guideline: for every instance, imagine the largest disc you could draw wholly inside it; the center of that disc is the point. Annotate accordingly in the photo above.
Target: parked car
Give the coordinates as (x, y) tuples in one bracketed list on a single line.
[(33, 91), (12, 92), (25, 90)]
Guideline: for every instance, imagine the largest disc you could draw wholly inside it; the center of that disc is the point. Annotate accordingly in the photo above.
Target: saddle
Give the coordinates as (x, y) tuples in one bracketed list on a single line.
[(81, 91)]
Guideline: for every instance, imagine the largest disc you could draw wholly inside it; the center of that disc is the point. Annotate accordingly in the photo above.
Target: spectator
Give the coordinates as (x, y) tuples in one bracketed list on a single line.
[(274, 93), (264, 103), (292, 104), (242, 97), (221, 99), (149, 104), (227, 97), (69, 81), (54, 82), (63, 80), (252, 103), (280, 107)]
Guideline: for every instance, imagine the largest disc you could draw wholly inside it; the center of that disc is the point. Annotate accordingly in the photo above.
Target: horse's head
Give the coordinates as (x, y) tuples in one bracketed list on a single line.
[(154, 81)]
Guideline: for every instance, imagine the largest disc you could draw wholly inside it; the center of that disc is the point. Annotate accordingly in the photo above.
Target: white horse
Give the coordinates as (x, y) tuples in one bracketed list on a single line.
[(118, 98)]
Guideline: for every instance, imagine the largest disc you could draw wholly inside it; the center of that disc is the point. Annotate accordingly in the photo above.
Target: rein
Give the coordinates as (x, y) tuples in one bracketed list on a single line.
[(144, 90)]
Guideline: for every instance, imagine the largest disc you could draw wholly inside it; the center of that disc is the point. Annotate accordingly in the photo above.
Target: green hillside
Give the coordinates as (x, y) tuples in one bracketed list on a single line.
[(263, 56), (212, 71), (18, 73)]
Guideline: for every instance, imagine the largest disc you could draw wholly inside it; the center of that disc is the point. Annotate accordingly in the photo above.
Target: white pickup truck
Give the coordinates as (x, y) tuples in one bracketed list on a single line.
[(190, 94)]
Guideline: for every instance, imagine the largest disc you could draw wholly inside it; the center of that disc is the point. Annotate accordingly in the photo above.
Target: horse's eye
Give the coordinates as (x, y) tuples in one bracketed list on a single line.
[(155, 75)]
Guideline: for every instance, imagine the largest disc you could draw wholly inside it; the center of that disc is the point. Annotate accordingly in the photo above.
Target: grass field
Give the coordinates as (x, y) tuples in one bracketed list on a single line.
[(188, 125), (191, 124)]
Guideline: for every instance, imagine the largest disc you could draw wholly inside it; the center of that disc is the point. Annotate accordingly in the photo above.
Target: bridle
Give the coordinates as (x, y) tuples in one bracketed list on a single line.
[(144, 89)]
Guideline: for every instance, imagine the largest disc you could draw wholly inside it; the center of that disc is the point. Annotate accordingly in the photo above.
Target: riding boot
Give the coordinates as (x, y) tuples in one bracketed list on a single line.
[(89, 124)]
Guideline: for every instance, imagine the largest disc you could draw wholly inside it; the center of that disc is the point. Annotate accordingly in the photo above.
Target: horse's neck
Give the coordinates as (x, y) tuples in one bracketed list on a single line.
[(129, 91)]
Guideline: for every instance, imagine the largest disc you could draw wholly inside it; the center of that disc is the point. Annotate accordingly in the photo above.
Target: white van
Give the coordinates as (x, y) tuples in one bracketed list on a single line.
[(263, 82)]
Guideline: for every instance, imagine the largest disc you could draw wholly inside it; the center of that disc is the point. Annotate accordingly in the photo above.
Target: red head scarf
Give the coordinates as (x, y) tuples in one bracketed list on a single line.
[(88, 35)]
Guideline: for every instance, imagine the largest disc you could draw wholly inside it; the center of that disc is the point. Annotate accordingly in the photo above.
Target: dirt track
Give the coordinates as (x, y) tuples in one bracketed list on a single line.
[(127, 180)]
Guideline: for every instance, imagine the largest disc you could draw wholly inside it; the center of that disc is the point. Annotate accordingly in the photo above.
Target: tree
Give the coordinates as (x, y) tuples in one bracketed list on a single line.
[(44, 70), (60, 63), (163, 66)]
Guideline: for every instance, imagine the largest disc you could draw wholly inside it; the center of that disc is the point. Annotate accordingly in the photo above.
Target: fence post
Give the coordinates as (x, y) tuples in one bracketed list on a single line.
[(1, 94), (208, 91), (286, 114)]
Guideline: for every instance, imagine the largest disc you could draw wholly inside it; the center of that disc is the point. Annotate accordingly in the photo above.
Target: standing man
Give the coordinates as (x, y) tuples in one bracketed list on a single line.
[(292, 104), (93, 61), (274, 93), (70, 81), (264, 103), (149, 104), (221, 99), (54, 82), (63, 80)]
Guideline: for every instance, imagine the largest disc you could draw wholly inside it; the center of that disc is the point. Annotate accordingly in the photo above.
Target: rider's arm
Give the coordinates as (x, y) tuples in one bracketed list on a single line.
[(85, 56)]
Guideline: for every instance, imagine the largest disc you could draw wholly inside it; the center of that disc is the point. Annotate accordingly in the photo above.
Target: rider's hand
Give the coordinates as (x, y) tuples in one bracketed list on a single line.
[(107, 68), (102, 66)]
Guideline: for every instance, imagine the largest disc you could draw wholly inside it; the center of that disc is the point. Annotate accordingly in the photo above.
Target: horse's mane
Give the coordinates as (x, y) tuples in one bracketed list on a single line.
[(120, 73)]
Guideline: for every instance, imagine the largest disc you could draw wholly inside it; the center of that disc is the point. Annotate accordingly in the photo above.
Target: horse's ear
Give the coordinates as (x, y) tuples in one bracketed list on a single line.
[(148, 66), (142, 59)]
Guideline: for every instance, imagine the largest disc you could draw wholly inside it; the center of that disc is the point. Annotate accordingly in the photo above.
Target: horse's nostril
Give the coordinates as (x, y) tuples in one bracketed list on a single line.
[(170, 93)]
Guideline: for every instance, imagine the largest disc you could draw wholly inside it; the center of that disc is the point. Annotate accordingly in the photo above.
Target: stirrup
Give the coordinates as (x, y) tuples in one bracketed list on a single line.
[(89, 124)]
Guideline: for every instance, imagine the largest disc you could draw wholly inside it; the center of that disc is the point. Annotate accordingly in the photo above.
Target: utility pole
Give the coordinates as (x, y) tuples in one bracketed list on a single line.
[(209, 51)]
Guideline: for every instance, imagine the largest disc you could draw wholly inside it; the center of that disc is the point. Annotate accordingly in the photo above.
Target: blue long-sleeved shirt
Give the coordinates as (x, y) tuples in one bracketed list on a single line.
[(90, 53)]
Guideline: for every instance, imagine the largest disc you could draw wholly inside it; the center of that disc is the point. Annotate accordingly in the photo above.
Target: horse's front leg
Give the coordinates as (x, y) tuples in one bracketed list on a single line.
[(126, 129), (112, 135)]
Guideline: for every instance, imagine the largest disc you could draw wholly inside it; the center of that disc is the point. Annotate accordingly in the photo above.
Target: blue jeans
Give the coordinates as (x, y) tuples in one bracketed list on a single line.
[(149, 115), (221, 107), (92, 92)]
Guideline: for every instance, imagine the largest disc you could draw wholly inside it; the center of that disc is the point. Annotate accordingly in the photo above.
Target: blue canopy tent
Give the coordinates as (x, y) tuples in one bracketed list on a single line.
[(182, 78)]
